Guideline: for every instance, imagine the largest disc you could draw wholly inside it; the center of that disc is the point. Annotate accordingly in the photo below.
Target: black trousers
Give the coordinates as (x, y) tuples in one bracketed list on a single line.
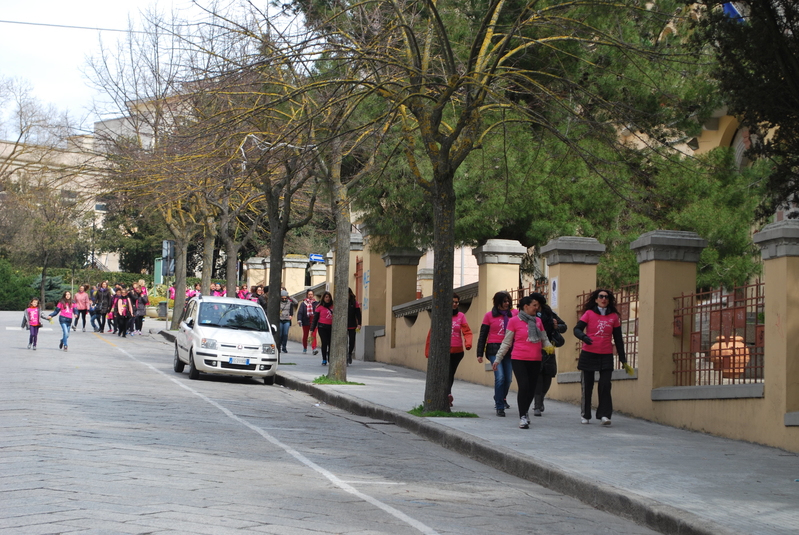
[(526, 373), (454, 361), (325, 333), (541, 389), (351, 340), (605, 407), (80, 314)]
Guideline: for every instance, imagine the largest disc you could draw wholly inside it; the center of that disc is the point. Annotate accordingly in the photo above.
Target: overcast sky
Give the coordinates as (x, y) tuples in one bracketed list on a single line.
[(52, 59)]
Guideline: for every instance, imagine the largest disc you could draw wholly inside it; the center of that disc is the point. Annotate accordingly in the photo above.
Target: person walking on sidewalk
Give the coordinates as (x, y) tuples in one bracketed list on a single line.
[(102, 301), (599, 328), (33, 316), (527, 336), (554, 326), (287, 304), (492, 333), (123, 312), (354, 319), (461, 337), (323, 321), (305, 315), (82, 304), (65, 310)]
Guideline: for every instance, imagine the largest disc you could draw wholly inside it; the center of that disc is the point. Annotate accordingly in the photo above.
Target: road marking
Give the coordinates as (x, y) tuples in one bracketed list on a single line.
[(343, 485)]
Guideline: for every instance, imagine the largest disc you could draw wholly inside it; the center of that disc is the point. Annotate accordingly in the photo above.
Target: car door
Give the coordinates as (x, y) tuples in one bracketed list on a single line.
[(184, 336)]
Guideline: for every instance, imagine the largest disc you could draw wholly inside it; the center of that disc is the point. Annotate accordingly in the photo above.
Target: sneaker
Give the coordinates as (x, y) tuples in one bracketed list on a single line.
[(29, 345), (66, 348), (83, 330), (324, 363), (74, 328), (304, 349), (501, 412), (349, 360), (315, 351), (34, 348), (524, 423), (284, 350), (507, 406), (61, 344), (536, 412), (606, 421), (584, 421)]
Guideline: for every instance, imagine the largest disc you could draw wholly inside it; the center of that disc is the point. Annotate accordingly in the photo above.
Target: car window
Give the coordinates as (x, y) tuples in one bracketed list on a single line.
[(232, 316), (187, 313)]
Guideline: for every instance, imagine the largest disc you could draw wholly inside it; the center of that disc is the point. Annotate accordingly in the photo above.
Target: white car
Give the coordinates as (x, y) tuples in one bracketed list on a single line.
[(227, 336)]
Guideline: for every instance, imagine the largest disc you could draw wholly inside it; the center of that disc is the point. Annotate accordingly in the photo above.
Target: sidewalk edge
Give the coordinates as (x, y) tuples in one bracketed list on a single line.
[(644, 511)]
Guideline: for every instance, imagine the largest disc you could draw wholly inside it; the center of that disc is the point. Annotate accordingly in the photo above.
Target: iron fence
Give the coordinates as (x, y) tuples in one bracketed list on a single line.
[(721, 336)]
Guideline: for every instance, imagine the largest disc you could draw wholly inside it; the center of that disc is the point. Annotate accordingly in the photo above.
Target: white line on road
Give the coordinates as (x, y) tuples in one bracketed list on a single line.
[(343, 485)]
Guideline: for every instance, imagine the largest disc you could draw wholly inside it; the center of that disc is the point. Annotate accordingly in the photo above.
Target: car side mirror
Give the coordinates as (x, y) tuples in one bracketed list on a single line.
[(190, 323)]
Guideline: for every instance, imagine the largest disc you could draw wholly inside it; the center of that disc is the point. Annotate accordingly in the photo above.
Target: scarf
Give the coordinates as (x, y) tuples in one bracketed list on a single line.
[(603, 311), (533, 334), (308, 306), (505, 318)]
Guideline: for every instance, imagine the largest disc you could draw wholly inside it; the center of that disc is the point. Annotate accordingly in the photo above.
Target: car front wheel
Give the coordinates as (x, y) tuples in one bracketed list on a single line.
[(178, 365), (194, 373)]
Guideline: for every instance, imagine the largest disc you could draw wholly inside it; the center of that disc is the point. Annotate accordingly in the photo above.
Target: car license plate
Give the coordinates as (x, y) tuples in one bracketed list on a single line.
[(238, 360)]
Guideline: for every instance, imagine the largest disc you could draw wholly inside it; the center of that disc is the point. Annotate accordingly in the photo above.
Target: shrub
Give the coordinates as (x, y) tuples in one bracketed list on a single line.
[(15, 291)]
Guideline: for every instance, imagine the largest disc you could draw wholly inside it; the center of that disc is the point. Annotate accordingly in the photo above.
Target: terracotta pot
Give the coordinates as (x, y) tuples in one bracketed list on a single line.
[(730, 356)]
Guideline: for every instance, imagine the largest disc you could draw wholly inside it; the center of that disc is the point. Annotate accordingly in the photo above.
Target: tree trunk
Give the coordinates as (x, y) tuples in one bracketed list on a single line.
[(339, 342), (44, 278), (435, 395), (181, 252), (231, 266), (277, 239), (209, 241)]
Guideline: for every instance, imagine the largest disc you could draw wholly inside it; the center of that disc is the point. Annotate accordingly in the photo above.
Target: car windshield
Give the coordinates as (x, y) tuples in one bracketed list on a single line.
[(232, 316)]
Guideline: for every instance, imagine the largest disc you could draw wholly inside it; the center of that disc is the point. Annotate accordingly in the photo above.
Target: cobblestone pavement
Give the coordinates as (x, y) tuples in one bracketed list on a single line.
[(106, 438)]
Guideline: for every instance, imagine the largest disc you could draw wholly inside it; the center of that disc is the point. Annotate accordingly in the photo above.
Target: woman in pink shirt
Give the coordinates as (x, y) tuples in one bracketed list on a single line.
[(599, 328), (82, 304), (323, 322), (527, 336), (492, 333), (64, 309)]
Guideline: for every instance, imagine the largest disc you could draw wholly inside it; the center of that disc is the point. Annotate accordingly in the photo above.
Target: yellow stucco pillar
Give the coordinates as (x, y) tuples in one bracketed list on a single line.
[(257, 271), (667, 268), (401, 267), (294, 273), (318, 274), (424, 277), (571, 261), (779, 248)]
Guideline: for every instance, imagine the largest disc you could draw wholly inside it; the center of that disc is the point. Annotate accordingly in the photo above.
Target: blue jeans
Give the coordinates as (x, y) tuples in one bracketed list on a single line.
[(66, 325), (502, 379), (284, 333), (93, 319)]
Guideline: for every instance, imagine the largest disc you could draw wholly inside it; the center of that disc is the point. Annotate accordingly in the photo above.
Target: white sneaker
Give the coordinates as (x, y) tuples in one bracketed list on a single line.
[(524, 423), (584, 421), (606, 421)]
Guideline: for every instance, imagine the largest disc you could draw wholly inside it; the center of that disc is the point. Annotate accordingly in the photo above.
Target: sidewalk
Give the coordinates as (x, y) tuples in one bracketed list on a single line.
[(671, 480)]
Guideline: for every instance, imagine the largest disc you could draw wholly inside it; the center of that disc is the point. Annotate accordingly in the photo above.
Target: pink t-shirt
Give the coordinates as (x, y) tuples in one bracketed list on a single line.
[(496, 326), (600, 330), (458, 321), (172, 292), (325, 315), (522, 349), (66, 310), (33, 316)]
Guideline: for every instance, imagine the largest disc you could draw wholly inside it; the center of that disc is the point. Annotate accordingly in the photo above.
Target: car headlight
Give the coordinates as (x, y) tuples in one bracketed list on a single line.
[(269, 349), (208, 343)]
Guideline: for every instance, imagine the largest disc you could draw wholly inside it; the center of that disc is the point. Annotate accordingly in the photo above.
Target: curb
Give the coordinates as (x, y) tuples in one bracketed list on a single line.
[(639, 509)]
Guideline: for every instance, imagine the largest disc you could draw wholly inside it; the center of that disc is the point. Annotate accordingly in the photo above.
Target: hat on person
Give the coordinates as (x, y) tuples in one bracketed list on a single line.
[(284, 293)]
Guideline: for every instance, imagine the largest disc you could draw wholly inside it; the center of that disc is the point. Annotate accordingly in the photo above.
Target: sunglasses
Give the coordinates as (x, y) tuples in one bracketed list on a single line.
[(603, 296)]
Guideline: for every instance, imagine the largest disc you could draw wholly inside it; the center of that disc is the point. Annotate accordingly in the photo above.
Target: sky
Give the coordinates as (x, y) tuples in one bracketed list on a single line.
[(53, 59)]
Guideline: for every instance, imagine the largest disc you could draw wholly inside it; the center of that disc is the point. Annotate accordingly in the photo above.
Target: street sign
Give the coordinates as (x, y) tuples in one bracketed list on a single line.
[(316, 258)]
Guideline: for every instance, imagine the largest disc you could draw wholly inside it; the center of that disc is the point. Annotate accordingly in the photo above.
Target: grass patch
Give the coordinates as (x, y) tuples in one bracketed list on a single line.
[(419, 411), (325, 380), (287, 364)]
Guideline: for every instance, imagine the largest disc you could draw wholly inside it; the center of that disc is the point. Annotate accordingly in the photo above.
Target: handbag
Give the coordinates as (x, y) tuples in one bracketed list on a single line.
[(557, 339), (549, 365)]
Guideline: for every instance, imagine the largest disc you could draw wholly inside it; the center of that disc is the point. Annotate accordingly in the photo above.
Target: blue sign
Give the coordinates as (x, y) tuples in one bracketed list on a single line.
[(316, 258)]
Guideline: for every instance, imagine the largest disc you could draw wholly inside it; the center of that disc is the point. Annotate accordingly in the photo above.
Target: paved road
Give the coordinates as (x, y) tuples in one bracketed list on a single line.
[(106, 438)]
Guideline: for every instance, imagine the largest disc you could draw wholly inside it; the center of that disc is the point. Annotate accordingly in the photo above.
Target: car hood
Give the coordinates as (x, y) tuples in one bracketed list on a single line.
[(233, 336)]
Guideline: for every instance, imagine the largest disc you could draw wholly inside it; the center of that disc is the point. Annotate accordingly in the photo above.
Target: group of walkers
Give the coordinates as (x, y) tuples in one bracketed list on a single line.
[(122, 310), (521, 343), (317, 317)]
